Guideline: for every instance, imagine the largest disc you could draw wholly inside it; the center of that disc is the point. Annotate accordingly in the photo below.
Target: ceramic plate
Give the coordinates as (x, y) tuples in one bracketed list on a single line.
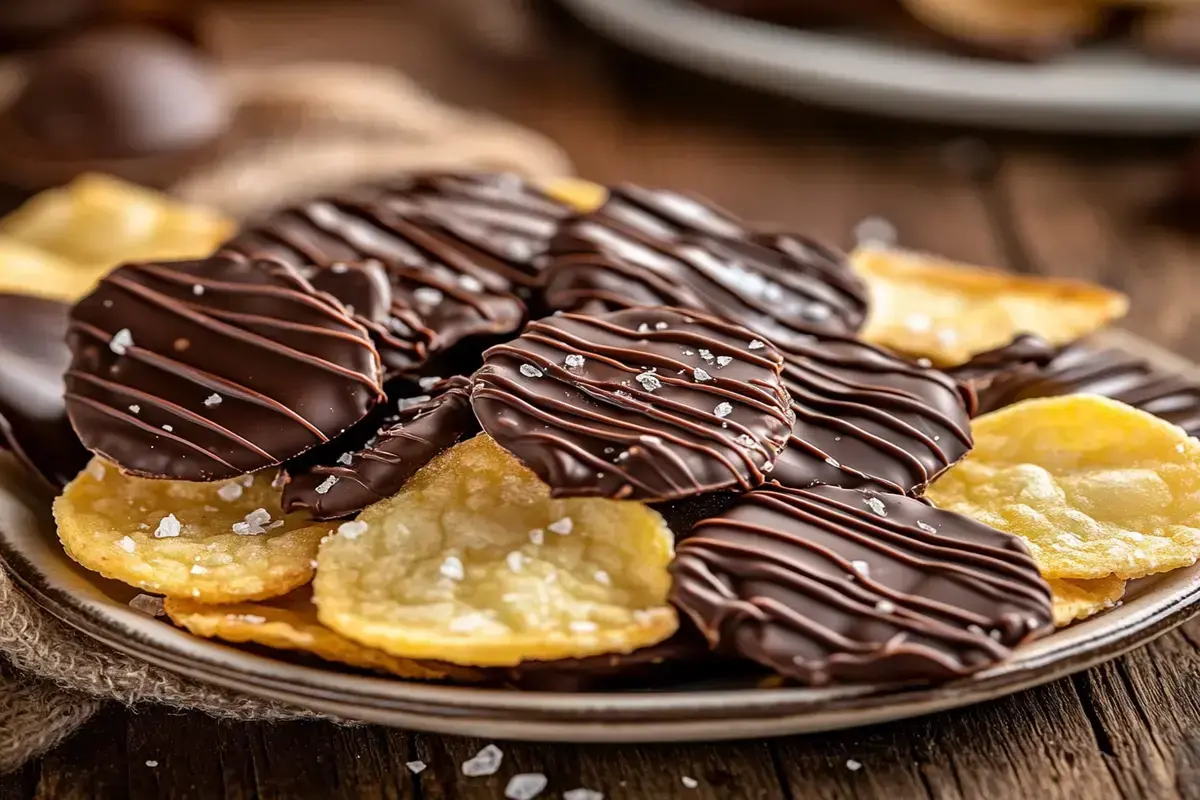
[(100, 609), (1100, 89)]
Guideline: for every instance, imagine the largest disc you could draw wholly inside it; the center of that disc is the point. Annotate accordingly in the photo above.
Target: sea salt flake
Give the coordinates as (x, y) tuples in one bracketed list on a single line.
[(861, 567), (485, 762), (259, 516), (346, 459), (537, 536), (723, 410), (885, 607), (525, 786), (326, 485), (689, 782), (660, 326), (168, 527), (252, 619), (582, 794), (213, 400), (700, 375), (147, 604), (197, 289), (724, 361), (876, 505), (757, 344), (562, 527), (230, 492), (405, 403), (244, 528), (121, 341), (925, 526), (96, 470), (745, 440), (151, 764), (832, 462), (136, 409), (530, 371), (428, 383), (601, 577), (574, 360), (352, 529), (706, 355), (127, 544), (415, 767), (452, 568), (428, 296), (515, 561), (649, 381), (197, 569), (852, 765), (168, 428), (582, 626), (470, 283)]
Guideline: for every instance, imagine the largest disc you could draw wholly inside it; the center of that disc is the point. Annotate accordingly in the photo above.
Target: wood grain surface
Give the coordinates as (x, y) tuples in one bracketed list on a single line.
[(1084, 208)]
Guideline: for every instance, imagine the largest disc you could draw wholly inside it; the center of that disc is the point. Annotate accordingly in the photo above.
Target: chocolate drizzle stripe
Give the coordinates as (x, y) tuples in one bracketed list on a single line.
[(186, 371), (129, 419), (173, 408), (249, 338)]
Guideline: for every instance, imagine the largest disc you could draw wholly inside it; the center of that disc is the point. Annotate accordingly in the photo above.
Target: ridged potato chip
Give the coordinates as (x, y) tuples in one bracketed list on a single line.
[(924, 306), (473, 563), (580, 194), (97, 222), (290, 623), (211, 542), (1076, 600), (1096, 488)]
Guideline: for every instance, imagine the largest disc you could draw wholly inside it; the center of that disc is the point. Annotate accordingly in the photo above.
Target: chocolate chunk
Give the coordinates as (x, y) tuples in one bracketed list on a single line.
[(829, 584), (448, 287), (653, 248), (867, 419), (646, 404), (204, 370), (1080, 369), (33, 415), (407, 438), (121, 92)]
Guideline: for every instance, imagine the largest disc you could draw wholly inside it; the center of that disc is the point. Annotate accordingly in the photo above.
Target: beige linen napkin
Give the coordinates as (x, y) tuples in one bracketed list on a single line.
[(300, 130)]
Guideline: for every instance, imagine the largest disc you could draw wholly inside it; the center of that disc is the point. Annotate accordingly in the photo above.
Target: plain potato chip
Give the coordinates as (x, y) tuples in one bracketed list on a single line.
[(474, 563), (97, 222), (290, 623), (24, 269), (1076, 600), (580, 194), (1096, 488), (212, 542), (925, 306)]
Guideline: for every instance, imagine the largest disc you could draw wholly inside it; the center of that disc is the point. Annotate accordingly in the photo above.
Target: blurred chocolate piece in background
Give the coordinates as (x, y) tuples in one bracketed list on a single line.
[(28, 23), (1171, 33), (133, 101)]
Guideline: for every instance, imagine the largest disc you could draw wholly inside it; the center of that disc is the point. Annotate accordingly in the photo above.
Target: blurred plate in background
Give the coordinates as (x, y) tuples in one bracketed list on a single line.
[(1096, 90)]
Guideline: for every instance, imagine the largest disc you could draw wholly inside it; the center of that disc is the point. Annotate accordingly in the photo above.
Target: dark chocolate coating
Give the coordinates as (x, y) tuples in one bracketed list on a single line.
[(121, 92), (829, 584), (1024, 352), (650, 248), (404, 441), (33, 415), (868, 419), (1080, 369), (155, 343), (449, 245), (645, 404)]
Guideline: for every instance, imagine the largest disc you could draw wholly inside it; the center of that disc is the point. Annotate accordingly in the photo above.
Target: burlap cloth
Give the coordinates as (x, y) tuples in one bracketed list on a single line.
[(299, 130)]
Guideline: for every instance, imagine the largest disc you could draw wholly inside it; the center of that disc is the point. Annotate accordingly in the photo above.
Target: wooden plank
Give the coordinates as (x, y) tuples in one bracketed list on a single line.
[(91, 764)]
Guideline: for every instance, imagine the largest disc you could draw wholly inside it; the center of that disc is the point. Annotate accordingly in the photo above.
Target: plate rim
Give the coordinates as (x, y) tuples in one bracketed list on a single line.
[(1104, 89), (75, 597)]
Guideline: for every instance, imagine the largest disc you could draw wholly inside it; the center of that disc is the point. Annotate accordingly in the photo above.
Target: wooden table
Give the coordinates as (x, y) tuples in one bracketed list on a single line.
[(1071, 207)]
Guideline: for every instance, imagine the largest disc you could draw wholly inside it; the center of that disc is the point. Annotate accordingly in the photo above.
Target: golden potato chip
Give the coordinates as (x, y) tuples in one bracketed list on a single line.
[(1094, 487), (1076, 600), (474, 563), (212, 542), (27, 270), (290, 623), (924, 306), (996, 21), (97, 222), (580, 194)]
